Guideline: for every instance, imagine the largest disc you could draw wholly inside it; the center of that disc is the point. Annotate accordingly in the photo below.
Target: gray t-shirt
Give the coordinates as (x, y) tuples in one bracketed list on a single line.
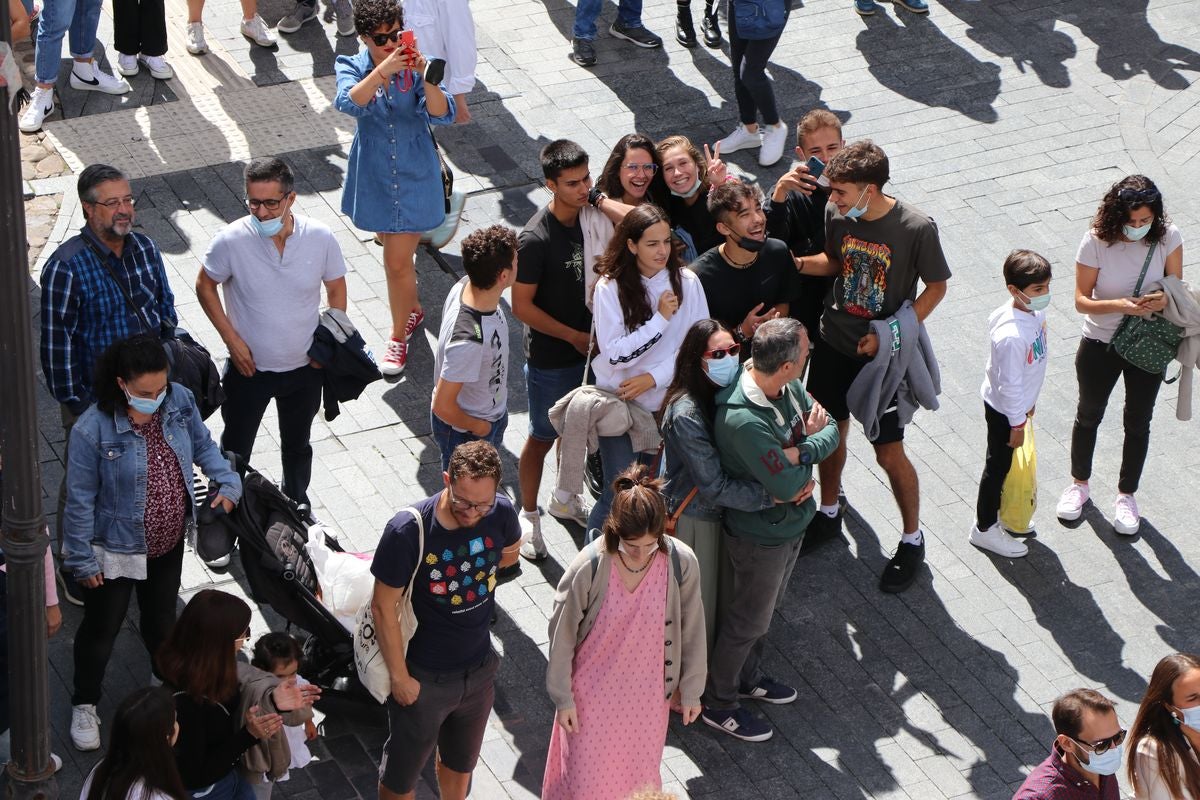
[(879, 262), (1119, 265), (273, 300), (472, 349)]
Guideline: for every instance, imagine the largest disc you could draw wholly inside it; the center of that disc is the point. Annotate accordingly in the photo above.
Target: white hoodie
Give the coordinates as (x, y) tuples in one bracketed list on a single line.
[(650, 348)]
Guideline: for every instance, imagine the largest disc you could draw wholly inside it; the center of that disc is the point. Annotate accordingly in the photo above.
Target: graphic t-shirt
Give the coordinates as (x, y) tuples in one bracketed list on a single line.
[(879, 262), (550, 255), (1120, 264), (456, 574), (732, 292), (1016, 366), (472, 349)]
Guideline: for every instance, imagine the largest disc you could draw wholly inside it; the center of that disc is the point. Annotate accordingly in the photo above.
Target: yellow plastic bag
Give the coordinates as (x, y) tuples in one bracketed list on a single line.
[(1018, 500)]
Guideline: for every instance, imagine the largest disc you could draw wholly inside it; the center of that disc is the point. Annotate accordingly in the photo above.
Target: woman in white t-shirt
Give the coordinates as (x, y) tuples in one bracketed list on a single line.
[(1130, 230), (1166, 733), (139, 764)]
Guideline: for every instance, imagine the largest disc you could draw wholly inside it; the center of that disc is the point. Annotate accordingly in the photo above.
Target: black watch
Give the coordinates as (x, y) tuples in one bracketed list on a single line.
[(594, 197)]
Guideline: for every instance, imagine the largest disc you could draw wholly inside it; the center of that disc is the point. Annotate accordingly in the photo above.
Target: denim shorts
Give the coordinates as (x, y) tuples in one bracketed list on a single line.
[(546, 387), (448, 438)]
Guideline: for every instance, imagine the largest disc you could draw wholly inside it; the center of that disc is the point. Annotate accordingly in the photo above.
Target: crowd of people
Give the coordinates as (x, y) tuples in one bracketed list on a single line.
[(709, 344)]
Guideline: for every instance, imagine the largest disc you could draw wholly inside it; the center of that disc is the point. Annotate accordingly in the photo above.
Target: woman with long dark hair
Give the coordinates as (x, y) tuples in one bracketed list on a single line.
[(633, 173), (129, 497), (139, 764), (1165, 735), (644, 303), (1131, 243)]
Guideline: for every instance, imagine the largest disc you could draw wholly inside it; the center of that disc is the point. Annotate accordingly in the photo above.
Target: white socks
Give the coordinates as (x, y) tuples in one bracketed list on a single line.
[(830, 511), (913, 538)]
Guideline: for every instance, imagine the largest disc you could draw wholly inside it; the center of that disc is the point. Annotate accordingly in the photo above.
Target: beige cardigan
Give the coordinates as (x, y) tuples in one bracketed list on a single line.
[(577, 605), (271, 756), (1151, 785)]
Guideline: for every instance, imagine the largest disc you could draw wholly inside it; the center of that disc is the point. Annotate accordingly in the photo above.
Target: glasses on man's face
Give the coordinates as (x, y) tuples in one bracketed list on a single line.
[(117, 202), (1104, 745), (382, 39), (640, 169), (721, 352), (271, 204), (1138, 196), (463, 506)]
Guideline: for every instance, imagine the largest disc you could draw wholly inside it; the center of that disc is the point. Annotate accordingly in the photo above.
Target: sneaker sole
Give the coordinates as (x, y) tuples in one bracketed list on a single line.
[(129, 73), (906, 7), (862, 13), (82, 86), (1024, 550), (34, 128), (1125, 530), (583, 62), (88, 747), (734, 149), (773, 701), (762, 737), (65, 593), (1069, 516), (252, 40), (648, 46), (536, 557), (391, 372), (566, 517), (290, 29)]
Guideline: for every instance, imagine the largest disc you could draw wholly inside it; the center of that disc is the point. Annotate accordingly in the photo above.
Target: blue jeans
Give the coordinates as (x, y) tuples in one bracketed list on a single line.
[(80, 18), (448, 438), (616, 453), (546, 387), (231, 787), (629, 15)]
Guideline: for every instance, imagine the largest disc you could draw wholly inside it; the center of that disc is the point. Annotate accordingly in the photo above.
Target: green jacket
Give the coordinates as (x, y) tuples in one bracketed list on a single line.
[(752, 433)]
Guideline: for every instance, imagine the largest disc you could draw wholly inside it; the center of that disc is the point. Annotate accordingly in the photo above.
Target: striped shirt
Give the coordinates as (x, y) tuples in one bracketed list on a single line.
[(84, 311)]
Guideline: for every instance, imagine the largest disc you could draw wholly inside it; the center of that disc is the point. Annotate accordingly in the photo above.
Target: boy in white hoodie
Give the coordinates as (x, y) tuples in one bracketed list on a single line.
[(1016, 368)]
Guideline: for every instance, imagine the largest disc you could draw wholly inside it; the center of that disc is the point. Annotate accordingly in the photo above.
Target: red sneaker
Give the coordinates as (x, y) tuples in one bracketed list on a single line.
[(395, 358)]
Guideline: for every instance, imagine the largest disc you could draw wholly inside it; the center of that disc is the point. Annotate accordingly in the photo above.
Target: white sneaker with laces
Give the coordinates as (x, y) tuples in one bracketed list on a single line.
[(741, 139), (576, 509), (1070, 505), (85, 728), (533, 546), (127, 64), (195, 39), (395, 359), (87, 77), (41, 105), (160, 70), (997, 541), (256, 30), (774, 139), (1126, 519)]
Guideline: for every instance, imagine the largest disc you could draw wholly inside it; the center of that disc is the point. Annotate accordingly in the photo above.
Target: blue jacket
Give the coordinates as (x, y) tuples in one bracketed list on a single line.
[(690, 459), (106, 477)]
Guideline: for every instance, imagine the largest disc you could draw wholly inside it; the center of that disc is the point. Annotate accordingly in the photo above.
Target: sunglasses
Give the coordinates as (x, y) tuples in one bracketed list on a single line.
[(1139, 196), (720, 353), (1104, 745), (381, 39)]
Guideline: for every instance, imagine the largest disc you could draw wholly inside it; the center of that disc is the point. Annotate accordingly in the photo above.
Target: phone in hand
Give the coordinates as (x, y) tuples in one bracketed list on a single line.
[(815, 167), (408, 40)]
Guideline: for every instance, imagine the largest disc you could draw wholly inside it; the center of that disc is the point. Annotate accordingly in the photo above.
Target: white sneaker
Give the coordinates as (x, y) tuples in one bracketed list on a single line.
[(395, 359), (56, 760), (195, 39), (127, 64), (87, 77), (1126, 519), (85, 728), (41, 105), (533, 546), (999, 542), (160, 70), (1070, 505), (576, 509), (774, 139), (257, 31), (741, 139)]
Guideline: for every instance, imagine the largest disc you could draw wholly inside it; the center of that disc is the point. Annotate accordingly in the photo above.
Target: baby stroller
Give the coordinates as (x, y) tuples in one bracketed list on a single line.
[(271, 535)]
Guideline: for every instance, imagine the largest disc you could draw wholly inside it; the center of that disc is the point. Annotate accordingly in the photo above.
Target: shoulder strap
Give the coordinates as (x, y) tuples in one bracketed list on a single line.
[(420, 547), (684, 504), (1137, 290), (137, 312), (587, 363), (676, 567)]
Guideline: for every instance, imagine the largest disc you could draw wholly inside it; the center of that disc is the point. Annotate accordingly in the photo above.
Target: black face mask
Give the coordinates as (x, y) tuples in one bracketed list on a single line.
[(753, 245)]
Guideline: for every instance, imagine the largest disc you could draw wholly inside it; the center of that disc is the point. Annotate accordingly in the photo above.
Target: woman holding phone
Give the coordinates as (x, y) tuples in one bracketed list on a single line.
[(393, 176), (1130, 234)]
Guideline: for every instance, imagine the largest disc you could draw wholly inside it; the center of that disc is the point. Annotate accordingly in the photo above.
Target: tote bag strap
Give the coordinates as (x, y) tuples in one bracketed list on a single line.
[(1137, 290)]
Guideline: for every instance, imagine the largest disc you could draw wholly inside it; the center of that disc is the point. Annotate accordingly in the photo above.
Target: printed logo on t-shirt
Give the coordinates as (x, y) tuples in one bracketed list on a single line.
[(1037, 350), (864, 276), (464, 577), (575, 262), (496, 381)]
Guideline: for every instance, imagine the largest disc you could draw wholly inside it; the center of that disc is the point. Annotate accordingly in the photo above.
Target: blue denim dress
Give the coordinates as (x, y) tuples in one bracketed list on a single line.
[(393, 180)]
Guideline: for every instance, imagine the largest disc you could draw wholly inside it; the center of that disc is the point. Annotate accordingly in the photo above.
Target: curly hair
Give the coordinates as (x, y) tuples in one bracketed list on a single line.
[(127, 359), (619, 265), (859, 162), (371, 15), (476, 459), (1124, 197), (725, 200), (637, 508), (671, 142), (486, 253), (610, 176)]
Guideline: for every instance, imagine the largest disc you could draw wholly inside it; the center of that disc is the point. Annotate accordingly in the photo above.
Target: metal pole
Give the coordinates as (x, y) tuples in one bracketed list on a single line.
[(30, 773)]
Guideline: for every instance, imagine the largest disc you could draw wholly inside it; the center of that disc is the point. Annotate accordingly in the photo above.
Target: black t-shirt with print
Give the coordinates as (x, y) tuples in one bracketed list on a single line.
[(732, 293), (550, 255), (452, 595)]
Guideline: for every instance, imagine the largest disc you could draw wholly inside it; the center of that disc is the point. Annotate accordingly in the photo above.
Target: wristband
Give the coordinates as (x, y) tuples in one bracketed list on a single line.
[(594, 197), (730, 179)]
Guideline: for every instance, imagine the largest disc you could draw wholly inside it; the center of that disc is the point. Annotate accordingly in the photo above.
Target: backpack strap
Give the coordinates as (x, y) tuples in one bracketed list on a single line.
[(676, 567), (420, 547)]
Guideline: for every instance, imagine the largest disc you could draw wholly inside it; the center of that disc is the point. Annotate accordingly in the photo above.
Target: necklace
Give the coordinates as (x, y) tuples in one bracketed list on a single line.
[(625, 564), (735, 264)]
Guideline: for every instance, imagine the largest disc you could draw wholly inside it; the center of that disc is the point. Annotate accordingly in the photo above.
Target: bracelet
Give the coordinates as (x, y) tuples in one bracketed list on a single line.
[(730, 179)]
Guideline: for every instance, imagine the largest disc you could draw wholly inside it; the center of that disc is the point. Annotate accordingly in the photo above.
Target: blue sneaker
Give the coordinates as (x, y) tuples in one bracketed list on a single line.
[(915, 6), (768, 690), (865, 8), (738, 723)]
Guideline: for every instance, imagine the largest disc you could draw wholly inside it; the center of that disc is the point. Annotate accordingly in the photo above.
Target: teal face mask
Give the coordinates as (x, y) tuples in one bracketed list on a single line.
[(1039, 303), (721, 371), (1136, 234), (146, 405), (856, 212)]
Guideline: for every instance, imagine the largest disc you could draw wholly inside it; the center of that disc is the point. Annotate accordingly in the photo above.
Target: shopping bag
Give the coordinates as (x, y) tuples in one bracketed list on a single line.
[(344, 578), (1018, 499)]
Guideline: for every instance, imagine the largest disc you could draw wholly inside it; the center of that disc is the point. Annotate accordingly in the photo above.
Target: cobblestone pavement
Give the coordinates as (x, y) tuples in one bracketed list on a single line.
[(1004, 119)]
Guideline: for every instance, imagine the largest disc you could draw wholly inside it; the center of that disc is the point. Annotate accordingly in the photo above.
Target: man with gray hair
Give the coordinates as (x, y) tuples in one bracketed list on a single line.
[(770, 431)]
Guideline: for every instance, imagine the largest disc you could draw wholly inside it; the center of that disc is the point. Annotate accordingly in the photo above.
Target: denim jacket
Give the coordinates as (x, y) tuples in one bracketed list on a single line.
[(106, 477), (690, 459)]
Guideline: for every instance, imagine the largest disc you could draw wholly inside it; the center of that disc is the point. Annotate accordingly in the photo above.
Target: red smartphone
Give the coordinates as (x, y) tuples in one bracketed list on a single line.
[(408, 40)]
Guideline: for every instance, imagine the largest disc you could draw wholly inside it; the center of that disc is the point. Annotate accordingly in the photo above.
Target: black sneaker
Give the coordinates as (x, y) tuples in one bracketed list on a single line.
[(69, 588), (901, 571), (822, 529), (768, 690), (685, 33), (710, 29), (638, 35), (738, 723), (582, 52)]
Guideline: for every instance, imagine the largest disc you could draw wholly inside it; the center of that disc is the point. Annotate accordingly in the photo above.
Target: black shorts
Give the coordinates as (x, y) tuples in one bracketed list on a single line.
[(830, 375)]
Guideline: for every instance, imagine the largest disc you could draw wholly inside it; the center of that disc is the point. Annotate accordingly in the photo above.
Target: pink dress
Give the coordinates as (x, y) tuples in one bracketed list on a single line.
[(617, 680)]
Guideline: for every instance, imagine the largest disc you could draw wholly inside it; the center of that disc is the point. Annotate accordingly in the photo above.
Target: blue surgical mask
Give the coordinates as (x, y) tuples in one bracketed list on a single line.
[(690, 193), (1137, 234), (146, 405), (267, 227), (1106, 763), (1039, 303), (722, 371), (856, 212), (1191, 717)]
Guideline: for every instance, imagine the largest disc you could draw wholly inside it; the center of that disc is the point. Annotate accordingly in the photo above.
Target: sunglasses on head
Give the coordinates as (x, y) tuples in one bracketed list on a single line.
[(720, 353), (1139, 196), (381, 39), (1104, 745)]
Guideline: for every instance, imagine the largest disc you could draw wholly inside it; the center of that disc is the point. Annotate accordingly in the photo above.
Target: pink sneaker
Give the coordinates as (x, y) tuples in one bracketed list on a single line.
[(1126, 520), (1070, 505), (414, 319), (395, 358)]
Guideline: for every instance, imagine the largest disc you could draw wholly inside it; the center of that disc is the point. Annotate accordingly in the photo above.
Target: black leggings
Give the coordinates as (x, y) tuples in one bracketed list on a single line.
[(750, 82), (996, 465), (1097, 369), (140, 26)]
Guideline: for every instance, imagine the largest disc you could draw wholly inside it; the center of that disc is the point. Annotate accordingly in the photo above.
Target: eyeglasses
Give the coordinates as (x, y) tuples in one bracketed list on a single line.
[(1104, 745), (720, 352), (463, 505), (381, 39), (117, 202), (634, 169), (1139, 196), (271, 204)]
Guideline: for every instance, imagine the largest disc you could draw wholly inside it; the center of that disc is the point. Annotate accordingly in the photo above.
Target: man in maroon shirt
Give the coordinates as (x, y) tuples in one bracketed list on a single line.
[(1086, 754)]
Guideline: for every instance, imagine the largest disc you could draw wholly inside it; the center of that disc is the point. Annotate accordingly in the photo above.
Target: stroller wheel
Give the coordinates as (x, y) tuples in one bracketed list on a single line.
[(593, 476)]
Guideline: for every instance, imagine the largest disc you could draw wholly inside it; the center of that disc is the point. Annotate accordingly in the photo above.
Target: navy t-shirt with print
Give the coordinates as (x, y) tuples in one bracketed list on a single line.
[(456, 575)]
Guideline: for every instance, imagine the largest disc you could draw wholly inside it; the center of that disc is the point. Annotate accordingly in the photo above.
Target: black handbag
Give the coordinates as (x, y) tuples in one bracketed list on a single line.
[(447, 173), (1148, 343)]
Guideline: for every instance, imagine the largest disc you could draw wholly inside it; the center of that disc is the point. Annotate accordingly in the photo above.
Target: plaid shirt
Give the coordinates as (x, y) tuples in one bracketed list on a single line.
[(1054, 779), (84, 311)]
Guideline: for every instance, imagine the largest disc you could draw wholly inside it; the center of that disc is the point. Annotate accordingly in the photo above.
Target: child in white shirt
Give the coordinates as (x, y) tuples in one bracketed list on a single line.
[(280, 654), (1016, 368)]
